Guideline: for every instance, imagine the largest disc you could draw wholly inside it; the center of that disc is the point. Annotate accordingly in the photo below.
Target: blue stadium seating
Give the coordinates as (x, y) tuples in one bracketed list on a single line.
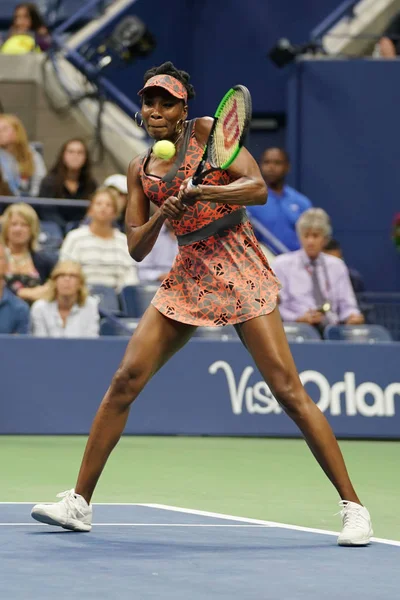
[(136, 298), (123, 326), (108, 299), (51, 235), (301, 332), (358, 334), (216, 333)]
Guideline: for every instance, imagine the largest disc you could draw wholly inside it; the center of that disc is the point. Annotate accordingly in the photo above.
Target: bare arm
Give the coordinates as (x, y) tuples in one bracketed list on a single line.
[(248, 188), (387, 48), (141, 231)]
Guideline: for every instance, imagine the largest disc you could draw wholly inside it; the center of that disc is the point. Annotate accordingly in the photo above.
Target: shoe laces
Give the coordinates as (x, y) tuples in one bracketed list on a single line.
[(351, 513), (70, 501)]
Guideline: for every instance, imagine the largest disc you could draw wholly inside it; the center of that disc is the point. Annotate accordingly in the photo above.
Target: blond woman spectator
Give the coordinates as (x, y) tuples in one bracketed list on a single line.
[(99, 247), (28, 268), (66, 310), (14, 140)]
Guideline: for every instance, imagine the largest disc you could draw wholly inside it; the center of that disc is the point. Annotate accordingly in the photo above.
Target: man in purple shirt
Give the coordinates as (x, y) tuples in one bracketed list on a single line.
[(316, 287)]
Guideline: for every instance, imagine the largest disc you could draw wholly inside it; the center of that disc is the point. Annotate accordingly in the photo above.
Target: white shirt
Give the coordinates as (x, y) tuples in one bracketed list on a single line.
[(82, 321), (104, 261)]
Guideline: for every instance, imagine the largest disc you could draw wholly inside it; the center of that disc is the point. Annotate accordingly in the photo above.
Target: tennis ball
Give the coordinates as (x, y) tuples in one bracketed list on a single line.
[(164, 149)]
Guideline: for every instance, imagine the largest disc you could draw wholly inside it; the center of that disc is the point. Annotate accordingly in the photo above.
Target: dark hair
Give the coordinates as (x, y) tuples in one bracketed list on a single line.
[(168, 68), (332, 245), (281, 150), (4, 189), (60, 170), (36, 18)]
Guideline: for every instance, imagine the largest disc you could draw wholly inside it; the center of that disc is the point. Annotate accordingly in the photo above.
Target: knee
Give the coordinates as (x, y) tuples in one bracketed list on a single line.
[(291, 395), (127, 383)]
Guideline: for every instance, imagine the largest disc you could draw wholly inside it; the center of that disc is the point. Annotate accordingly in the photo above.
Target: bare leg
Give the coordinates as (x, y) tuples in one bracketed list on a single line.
[(266, 341), (155, 340)]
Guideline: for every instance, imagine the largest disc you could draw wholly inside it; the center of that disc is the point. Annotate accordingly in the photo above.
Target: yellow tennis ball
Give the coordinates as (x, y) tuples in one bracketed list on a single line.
[(164, 149)]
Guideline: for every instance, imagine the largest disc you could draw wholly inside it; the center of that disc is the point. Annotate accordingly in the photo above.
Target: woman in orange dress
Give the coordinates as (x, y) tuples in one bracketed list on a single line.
[(219, 277)]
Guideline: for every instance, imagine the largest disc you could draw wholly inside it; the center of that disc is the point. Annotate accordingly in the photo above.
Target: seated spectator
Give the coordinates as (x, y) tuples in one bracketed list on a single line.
[(14, 312), (389, 44), (66, 310), (316, 287), (156, 265), (9, 172), (70, 178), (99, 247), (28, 32), (14, 140), (334, 249), (284, 204), (28, 268), (119, 183)]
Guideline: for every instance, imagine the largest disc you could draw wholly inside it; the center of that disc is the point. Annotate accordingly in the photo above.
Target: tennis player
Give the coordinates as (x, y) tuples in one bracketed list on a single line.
[(219, 277)]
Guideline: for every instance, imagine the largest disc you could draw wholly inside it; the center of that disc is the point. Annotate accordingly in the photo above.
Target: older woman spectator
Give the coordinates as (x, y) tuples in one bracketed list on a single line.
[(99, 247), (67, 310), (28, 23), (316, 287), (28, 268), (14, 140)]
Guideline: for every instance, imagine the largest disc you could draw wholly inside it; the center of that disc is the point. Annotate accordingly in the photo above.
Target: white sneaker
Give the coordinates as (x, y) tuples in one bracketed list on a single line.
[(357, 526), (72, 512)]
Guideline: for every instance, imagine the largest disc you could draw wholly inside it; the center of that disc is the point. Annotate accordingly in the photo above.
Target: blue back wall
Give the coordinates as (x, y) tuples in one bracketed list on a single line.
[(222, 44)]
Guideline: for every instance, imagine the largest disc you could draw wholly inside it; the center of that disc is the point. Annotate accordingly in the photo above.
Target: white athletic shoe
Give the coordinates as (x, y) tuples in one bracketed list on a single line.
[(72, 512), (357, 526)]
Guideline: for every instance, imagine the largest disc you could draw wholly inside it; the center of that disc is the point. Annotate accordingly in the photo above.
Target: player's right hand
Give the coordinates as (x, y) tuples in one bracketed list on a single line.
[(173, 208)]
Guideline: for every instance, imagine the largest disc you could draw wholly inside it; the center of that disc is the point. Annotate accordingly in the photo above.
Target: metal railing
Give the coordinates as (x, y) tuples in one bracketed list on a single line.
[(346, 9)]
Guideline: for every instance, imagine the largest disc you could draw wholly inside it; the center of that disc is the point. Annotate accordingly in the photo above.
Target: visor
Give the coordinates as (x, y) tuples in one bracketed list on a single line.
[(172, 85)]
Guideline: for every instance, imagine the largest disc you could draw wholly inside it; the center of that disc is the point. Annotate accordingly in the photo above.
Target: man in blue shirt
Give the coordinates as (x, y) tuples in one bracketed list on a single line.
[(284, 205), (14, 312)]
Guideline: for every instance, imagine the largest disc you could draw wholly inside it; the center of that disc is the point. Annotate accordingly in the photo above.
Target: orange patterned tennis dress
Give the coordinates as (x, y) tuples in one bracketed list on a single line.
[(220, 276)]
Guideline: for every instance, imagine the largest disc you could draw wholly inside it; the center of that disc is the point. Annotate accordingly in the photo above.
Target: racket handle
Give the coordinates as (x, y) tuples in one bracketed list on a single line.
[(190, 186)]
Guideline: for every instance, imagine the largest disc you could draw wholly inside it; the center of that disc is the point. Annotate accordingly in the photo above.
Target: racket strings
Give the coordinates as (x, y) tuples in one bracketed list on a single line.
[(232, 121)]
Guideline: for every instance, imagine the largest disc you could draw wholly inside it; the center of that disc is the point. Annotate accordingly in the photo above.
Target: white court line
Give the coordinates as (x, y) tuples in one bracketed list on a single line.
[(215, 515), (248, 526)]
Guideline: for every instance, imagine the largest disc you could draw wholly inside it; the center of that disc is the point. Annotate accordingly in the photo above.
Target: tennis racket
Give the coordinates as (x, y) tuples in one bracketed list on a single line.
[(228, 133)]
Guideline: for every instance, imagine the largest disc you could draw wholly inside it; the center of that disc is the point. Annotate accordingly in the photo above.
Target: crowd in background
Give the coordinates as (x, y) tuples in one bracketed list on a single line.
[(48, 292)]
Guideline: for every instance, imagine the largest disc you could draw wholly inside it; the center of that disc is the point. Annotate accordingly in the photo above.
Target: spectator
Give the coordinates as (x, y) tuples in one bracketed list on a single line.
[(28, 269), (14, 140), (99, 247), (70, 178), (316, 287), (9, 172), (14, 312), (156, 265), (334, 249), (119, 183), (66, 311), (389, 44), (284, 204), (28, 32)]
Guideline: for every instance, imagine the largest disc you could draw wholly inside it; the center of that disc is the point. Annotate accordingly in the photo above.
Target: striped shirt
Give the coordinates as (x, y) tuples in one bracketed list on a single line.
[(104, 261)]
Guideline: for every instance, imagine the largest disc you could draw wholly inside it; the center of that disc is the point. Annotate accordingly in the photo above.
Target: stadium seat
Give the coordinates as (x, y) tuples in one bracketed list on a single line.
[(123, 326), (51, 236), (107, 297), (358, 334), (136, 298), (301, 332), (216, 333)]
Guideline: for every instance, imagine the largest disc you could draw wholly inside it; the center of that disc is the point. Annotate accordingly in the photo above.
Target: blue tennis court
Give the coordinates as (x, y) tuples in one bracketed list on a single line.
[(155, 551)]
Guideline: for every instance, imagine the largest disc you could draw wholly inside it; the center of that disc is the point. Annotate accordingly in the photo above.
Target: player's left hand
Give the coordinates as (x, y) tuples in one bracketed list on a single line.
[(189, 193)]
